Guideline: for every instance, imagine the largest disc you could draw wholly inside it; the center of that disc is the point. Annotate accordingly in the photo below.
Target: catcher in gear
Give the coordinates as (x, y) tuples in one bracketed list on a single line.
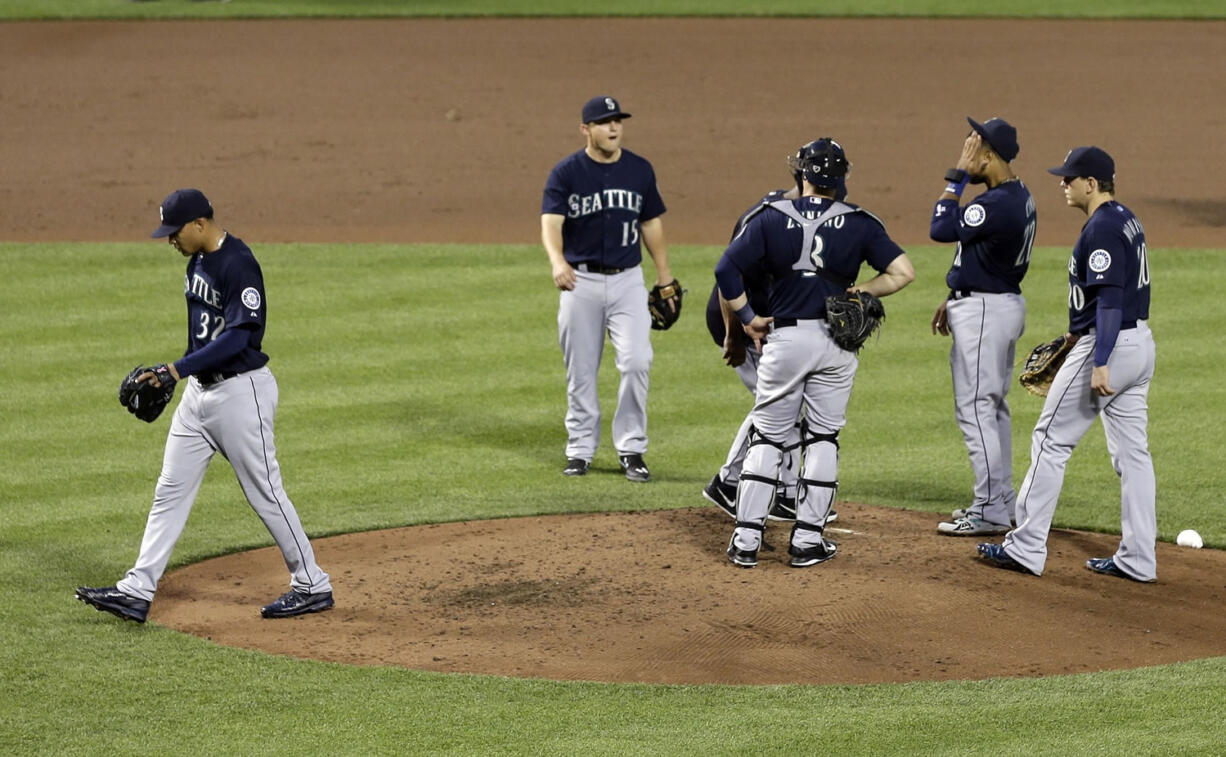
[(812, 248), (147, 391), (1043, 363)]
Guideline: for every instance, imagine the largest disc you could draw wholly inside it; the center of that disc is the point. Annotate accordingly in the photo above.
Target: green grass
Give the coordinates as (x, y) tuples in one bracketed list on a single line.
[(80, 9), (400, 406)]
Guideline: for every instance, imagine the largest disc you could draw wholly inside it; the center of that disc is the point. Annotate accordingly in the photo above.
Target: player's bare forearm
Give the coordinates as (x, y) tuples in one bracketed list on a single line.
[(734, 334), (897, 275), (653, 240)]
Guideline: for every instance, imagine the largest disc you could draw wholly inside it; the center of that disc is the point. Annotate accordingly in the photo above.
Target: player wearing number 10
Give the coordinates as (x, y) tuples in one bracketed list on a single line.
[(1107, 373), (598, 204)]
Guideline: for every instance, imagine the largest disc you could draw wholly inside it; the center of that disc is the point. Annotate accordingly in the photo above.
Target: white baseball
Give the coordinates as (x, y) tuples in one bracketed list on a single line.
[(1189, 538)]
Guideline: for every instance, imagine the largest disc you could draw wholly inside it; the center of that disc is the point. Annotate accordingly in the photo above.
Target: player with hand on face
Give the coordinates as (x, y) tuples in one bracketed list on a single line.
[(985, 313), (812, 247), (600, 206), (1107, 373), (228, 407)]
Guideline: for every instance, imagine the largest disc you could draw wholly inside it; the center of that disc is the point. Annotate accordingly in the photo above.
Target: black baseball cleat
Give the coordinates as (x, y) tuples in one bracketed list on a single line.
[(742, 558), (635, 468), (996, 555), (818, 553), (783, 508), (294, 602), (721, 495), (112, 600), (575, 467)]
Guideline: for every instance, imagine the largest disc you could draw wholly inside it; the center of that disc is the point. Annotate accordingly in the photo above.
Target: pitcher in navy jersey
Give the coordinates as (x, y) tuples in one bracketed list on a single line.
[(228, 406), (1107, 374), (811, 247), (600, 206), (985, 313)]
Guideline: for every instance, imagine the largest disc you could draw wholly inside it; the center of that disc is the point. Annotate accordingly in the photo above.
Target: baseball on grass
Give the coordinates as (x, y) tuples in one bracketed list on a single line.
[(1189, 538)]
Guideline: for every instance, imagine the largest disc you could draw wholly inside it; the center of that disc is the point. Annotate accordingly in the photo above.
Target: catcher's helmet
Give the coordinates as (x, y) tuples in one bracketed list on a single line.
[(822, 163)]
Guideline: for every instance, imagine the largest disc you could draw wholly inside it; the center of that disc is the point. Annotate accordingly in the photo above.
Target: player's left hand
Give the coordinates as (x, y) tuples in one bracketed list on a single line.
[(158, 373), (1100, 381)]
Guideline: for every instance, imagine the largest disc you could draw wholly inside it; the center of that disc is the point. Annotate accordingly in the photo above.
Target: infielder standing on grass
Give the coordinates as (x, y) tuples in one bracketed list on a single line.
[(985, 313), (1106, 373), (227, 407), (600, 203), (812, 247)]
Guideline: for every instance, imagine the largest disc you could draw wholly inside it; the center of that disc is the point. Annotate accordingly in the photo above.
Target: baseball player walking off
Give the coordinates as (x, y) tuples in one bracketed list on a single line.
[(985, 313), (227, 407), (600, 205), (812, 247), (1107, 373)]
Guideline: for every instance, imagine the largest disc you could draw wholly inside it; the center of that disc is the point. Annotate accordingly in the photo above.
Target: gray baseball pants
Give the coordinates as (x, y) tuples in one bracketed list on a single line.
[(233, 417), (1067, 415)]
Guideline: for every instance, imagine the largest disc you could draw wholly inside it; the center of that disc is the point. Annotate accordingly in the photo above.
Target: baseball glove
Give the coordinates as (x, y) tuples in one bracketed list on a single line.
[(1043, 363), (852, 318), (142, 398), (658, 299)]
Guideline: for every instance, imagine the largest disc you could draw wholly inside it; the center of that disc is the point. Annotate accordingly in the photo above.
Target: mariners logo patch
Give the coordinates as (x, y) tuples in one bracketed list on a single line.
[(251, 298), (1100, 260), (974, 215)]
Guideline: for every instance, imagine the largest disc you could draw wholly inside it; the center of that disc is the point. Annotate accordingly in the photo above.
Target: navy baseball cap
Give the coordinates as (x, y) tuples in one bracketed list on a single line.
[(180, 208), (602, 108), (1086, 161), (1000, 136)]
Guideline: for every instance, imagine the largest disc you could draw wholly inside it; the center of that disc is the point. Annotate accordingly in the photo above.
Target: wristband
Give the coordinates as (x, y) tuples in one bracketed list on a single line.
[(957, 179), (746, 314)]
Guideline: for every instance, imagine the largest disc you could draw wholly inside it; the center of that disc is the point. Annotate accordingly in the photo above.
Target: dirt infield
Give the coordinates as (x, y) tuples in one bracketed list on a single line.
[(339, 130), (650, 597), (444, 131)]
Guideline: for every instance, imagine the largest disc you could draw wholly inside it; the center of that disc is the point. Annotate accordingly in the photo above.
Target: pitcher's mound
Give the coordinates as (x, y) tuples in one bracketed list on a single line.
[(649, 596)]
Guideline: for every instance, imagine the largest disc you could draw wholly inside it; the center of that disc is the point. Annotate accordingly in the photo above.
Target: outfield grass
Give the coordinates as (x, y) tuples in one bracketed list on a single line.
[(398, 407), (83, 9)]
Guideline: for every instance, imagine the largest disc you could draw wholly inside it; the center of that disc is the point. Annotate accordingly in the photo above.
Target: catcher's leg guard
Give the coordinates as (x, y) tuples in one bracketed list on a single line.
[(756, 491), (818, 484)]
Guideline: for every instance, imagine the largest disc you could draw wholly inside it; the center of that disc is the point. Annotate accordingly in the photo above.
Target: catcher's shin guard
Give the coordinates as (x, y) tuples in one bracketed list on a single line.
[(819, 477), (756, 490)]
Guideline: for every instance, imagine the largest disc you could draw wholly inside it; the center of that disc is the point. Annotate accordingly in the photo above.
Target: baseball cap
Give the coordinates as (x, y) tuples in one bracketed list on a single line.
[(1000, 136), (1086, 161), (602, 108), (180, 208)]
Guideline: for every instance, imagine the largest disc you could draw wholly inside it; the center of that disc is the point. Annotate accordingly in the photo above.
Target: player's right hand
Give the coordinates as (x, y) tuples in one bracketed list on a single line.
[(940, 320), (564, 276), (757, 329)]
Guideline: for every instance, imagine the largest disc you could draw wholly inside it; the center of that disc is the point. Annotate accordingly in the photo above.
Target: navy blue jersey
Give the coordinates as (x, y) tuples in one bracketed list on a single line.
[(757, 285), (225, 291), (603, 203), (1110, 253), (777, 242), (995, 234)]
